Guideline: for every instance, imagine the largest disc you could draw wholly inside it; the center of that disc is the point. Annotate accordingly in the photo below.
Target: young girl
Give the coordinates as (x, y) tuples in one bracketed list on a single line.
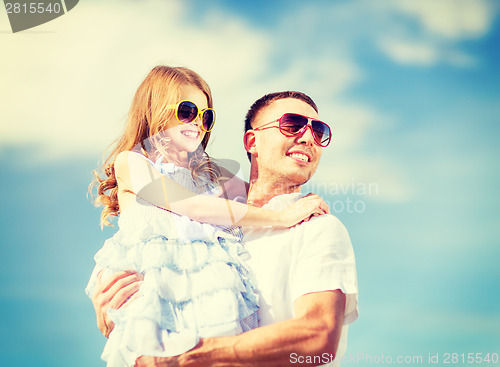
[(173, 227)]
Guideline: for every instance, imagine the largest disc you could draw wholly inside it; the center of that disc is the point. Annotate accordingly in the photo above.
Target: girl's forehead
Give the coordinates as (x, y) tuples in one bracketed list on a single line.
[(194, 94)]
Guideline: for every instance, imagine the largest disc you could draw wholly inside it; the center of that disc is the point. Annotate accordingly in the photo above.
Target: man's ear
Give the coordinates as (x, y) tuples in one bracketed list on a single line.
[(250, 143)]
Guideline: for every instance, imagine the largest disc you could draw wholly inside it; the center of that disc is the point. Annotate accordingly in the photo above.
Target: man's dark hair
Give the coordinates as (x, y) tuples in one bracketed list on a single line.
[(265, 101)]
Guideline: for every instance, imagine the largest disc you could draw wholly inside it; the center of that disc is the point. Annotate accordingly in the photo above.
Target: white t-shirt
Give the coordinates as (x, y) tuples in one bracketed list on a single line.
[(314, 256)]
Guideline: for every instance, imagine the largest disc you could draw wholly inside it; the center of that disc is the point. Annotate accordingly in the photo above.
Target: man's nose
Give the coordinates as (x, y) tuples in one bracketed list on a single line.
[(306, 137)]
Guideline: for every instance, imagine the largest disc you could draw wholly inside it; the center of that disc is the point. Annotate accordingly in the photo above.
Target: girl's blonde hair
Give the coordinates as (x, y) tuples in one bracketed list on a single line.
[(148, 116)]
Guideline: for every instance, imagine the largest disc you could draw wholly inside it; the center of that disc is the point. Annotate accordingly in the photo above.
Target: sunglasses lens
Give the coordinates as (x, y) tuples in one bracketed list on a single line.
[(322, 133), (187, 112), (291, 123), (208, 119)]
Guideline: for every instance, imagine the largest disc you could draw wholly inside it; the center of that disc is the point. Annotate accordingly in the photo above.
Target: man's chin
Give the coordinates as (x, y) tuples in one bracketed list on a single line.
[(297, 178)]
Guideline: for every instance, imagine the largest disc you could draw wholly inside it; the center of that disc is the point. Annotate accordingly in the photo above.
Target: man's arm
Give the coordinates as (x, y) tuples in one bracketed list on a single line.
[(313, 331)]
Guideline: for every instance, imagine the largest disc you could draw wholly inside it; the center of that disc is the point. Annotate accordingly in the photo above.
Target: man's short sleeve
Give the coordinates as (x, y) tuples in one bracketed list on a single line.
[(325, 262)]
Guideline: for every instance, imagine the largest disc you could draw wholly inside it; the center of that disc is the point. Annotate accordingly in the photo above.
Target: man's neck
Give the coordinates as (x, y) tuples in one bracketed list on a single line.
[(260, 192)]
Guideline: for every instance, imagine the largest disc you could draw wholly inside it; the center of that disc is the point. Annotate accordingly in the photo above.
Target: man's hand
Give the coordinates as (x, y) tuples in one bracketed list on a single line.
[(145, 361), (113, 293)]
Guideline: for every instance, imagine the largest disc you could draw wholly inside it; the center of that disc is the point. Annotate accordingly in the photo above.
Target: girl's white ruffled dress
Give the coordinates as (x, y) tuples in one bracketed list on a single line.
[(195, 282)]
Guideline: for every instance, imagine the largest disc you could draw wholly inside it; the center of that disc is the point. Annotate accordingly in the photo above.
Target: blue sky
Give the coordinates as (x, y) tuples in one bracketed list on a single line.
[(411, 89)]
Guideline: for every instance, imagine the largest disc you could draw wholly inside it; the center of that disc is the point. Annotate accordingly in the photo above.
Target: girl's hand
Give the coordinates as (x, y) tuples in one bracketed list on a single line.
[(303, 210)]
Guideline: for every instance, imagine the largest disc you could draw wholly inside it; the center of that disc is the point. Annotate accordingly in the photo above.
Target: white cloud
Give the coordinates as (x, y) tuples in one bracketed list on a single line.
[(441, 26), (423, 53), (452, 19), (404, 52)]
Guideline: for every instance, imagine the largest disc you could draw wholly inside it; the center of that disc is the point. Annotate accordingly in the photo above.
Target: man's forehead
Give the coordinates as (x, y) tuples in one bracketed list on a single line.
[(285, 105)]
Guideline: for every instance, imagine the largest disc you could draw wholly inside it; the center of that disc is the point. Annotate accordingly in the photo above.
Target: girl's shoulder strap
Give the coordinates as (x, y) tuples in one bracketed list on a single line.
[(134, 154)]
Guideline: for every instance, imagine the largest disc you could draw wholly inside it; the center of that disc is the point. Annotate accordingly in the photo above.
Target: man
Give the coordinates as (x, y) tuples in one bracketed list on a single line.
[(305, 275)]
